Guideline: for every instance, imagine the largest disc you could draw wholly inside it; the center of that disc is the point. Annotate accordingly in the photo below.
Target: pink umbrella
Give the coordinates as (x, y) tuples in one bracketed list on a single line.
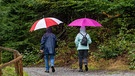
[(45, 23), (85, 22)]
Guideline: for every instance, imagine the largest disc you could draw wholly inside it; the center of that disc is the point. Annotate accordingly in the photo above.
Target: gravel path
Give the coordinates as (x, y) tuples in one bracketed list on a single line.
[(63, 71)]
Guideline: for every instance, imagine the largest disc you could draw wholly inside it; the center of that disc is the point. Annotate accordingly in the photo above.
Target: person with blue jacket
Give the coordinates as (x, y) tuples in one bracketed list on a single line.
[(82, 49), (48, 44)]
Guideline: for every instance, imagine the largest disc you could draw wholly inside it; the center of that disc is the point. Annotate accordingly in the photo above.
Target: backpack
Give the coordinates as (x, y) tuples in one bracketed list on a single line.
[(84, 40)]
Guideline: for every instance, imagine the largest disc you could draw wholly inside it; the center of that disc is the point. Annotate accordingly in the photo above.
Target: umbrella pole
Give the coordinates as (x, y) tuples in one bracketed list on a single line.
[(61, 34)]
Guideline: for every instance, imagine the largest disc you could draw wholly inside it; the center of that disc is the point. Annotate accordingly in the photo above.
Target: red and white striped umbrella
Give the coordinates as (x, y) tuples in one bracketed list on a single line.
[(45, 23)]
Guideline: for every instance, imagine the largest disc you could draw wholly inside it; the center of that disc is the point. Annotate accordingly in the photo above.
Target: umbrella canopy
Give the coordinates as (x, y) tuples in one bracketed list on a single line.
[(45, 23), (85, 22)]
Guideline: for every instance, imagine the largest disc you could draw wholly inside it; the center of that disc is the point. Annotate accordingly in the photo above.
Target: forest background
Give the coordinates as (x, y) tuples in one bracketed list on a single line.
[(112, 45)]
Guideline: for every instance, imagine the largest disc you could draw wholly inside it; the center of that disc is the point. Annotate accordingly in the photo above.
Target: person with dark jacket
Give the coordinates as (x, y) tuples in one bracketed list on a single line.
[(48, 44)]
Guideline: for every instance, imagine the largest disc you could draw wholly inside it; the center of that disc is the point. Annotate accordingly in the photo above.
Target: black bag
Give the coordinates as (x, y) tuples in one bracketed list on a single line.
[(84, 40)]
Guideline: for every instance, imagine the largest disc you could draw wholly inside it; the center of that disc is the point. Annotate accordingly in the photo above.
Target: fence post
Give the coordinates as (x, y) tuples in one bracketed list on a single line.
[(0, 62), (16, 64), (20, 67), (17, 61)]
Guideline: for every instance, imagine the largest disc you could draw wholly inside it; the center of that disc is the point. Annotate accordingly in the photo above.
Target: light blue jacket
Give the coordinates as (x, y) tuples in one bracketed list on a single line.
[(78, 40)]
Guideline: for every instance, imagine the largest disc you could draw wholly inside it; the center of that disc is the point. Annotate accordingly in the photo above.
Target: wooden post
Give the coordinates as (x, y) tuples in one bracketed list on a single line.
[(17, 61), (0, 62), (16, 64), (20, 67)]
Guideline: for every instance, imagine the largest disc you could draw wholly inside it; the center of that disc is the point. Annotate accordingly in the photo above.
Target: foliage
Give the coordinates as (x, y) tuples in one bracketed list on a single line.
[(132, 58), (65, 55), (30, 58), (10, 71), (7, 56), (119, 45), (114, 48), (116, 16)]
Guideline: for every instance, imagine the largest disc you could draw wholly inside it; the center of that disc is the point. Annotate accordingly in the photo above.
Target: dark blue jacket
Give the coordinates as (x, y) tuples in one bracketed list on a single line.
[(48, 43)]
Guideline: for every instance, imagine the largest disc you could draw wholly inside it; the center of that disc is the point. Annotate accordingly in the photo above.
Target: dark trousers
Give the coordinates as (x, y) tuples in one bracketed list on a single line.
[(83, 57)]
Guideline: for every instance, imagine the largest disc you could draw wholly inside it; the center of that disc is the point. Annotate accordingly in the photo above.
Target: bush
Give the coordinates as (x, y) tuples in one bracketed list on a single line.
[(7, 56), (113, 48), (29, 58), (118, 45), (10, 71), (132, 59), (65, 55)]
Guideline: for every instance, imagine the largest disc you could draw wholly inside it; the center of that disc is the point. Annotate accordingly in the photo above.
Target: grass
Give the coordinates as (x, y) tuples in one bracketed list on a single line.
[(10, 71), (119, 63), (69, 58)]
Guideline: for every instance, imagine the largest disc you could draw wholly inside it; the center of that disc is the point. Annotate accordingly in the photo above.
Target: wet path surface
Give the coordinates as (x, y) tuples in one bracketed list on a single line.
[(64, 71)]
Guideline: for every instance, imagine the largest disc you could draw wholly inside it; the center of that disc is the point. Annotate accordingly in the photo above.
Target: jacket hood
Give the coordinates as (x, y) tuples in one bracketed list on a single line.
[(49, 30), (83, 30)]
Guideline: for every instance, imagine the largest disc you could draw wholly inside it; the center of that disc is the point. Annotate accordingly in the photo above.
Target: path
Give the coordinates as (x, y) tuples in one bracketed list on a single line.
[(63, 71)]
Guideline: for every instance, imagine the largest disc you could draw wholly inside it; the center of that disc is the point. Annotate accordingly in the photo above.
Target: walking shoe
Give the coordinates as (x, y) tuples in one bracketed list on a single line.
[(86, 68), (47, 71), (80, 70), (53, 69)]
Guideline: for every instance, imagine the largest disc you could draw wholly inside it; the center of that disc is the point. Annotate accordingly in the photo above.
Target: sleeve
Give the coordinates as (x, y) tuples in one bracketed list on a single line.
[(89, 39), (42, 43), (77, 40)]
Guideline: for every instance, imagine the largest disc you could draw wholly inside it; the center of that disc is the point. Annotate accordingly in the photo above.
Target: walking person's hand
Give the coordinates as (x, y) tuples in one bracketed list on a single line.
[(41, 54), (41, 51)]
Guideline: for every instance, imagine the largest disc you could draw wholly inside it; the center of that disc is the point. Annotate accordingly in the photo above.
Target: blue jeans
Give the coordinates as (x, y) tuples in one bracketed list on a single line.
[(48, 58)]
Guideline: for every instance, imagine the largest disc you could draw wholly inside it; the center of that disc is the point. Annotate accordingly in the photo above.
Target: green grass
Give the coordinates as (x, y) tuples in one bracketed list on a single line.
[(120, 63), (10, 71)]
